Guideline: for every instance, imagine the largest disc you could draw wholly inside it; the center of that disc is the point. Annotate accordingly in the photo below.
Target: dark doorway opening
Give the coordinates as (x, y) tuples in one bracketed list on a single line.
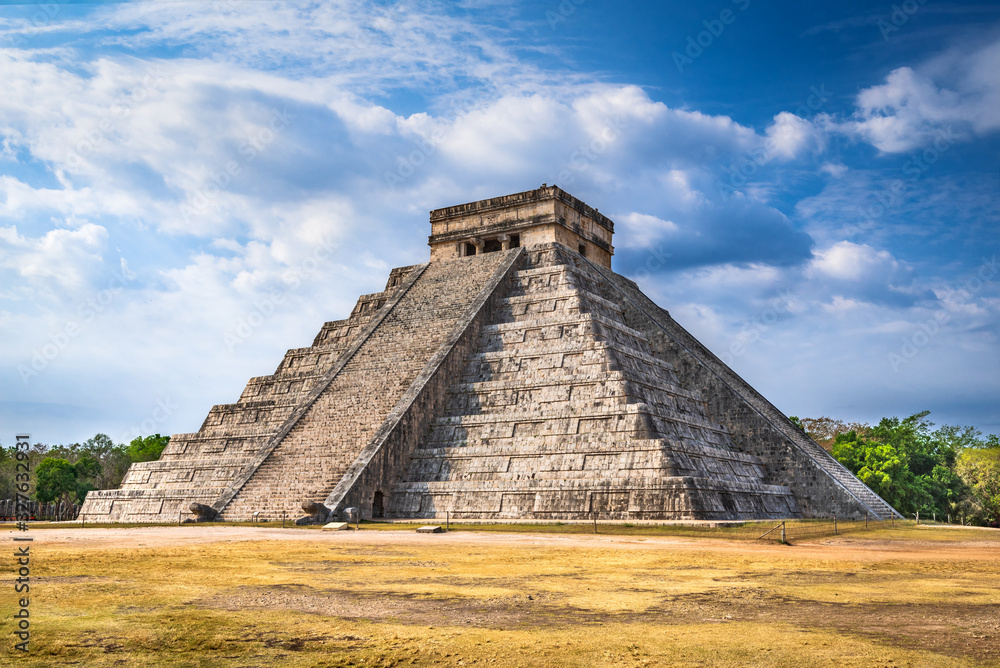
[(378, 506), (583, 250), (470, 249), (515, 241), (492, 246)]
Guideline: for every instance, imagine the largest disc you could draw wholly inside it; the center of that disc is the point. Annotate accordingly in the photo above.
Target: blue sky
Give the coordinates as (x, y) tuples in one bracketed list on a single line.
[(189, 189)]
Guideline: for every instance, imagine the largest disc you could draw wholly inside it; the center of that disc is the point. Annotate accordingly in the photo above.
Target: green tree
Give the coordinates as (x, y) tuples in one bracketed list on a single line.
[(147, 449), (825, 430), (908, 464), (980, 469), (58, 478), (99, 463), (55, 478)]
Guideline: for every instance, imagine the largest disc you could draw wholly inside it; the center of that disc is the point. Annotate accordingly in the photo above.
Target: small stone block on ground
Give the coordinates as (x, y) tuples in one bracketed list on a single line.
[(430, 529), (336, 526)]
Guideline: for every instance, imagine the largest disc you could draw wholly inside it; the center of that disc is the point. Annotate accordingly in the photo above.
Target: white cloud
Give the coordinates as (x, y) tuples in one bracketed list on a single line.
[(958, 92), (858, 272), (905, 112), (848, 261), (834, 169), (641, 230), (789, 135), (853, 262), (841, 305), (61, 260)]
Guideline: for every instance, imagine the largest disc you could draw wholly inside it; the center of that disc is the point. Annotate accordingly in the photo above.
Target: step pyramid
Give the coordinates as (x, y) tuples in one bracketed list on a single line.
[(515, 376)]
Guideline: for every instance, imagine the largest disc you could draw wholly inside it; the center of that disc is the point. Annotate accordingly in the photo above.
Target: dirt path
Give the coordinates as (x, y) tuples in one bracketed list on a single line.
[(854, 547)]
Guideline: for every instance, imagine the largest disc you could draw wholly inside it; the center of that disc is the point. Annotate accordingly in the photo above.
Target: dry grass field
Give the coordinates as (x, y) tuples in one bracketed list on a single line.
[(244, 596)]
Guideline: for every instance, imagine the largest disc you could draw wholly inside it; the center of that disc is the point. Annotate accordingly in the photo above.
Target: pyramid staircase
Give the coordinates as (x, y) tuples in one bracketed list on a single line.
[(312, 452)]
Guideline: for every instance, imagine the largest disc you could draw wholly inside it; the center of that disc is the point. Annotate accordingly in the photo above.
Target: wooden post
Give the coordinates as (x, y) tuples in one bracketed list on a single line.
[(835, 532), (918, 517), (283, 512), (866, 520), (593, 514), (447, 520), (783, 533)]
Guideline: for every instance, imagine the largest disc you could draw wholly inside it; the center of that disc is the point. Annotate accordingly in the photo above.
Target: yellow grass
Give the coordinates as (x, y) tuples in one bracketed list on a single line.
[(912, 596)]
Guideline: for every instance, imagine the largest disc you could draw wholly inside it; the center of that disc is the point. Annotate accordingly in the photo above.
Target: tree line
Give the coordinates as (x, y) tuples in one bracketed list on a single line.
[(945, 473), (948, 472), (65, 473)]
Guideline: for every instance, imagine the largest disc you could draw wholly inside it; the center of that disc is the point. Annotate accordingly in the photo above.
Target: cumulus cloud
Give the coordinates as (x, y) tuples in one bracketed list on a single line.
[(905, 112), (848, 270), (639, 230), (789, 135), (846, 261), (958, 92), (60, 261)]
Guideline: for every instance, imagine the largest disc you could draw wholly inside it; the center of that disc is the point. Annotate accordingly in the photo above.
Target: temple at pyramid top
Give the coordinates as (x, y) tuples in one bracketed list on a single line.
[(546, 215)]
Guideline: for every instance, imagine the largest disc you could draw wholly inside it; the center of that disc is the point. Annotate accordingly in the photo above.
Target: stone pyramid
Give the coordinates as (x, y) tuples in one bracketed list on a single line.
[(514, 376)]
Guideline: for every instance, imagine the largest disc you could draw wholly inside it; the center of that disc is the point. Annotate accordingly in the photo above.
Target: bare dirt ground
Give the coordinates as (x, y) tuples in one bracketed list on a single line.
[(853, 546), (916, 596)]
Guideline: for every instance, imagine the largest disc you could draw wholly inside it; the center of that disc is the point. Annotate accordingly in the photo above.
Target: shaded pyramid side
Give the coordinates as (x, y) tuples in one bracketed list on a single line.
[(199, 466), (561, 411), (821, 485)]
